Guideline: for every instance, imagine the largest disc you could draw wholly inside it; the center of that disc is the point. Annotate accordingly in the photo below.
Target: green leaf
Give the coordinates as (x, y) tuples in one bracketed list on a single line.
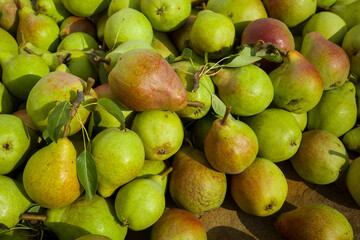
[(242, 59), (45, 136), (170, 59), (187, 53), (87, 173), (113, 109), (57, 119)]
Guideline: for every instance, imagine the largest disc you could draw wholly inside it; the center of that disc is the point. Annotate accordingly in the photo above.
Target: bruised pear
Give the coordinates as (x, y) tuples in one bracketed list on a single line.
[(314, 221), (143, 80)]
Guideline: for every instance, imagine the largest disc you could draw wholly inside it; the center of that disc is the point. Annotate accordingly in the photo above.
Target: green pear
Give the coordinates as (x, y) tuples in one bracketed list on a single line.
[(278, 133), (161, 132), (178, 224), (52, 8), (163, 45), (119, 156), (14, 201), (261, 189), (301, 118), (8, 42), (78, 40), (240, 12), (194, 185), (320, 158), (230, 146), (83, 217), (22, 72), (357, 89), (143, 80), (200, 128), (352, 180), (326, 3), (314, 221), (351, 139), (9, 14), (52, 89), (116, 5), (151, 168), (100, 25), (93, 237), (38, 29), (127, 24), (15, 143), (73, 24), (186, 70), (6, 100), (140, 203), (181, 36), (248, 89), (17, 234), (166, 16), (291, 13), (330, 25), (351, 45), (348, 12), (58, 185), (213, 33), (91, 8), (336, 112), (329, 59)]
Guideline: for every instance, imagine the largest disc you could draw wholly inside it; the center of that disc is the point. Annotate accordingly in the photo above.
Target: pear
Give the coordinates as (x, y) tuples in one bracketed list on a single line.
[(230, 145), (14, 143), (58, 185), (248, 89), (326, 3), (351, 45), (351, 139), (6, 100), (348, 12), (302, 119), (291, 13), (178, 224), (93, 237), (166, 16), (140, 203), (261, 189), (181, 36), (119, 156), (78, 40), (52, 89), (298, 85), (161, 132), (8, 42), (278, 133), (336, 112), (52, 8), (357, 89), (240, 12), (163, 45), (151, 168), (200, 128), (9, 18), (127, 24), (116, 5), (83, 217), (17, 234), (314, 221), (186, 70), (320, 158), (330, 25), (352, 180), (78, 8), (140, 88), (100, 25), (329, 59), (194, 185), (213, 33), (22, 72), (38, 29), (14, 201), (73, 24)]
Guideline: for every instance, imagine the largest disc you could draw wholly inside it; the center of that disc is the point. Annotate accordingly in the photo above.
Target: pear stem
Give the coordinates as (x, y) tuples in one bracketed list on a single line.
[(100, 59), (227, 113), (196, 79), (19, 4), (33, 217), (323, 7), (28, 50), (169, 170), (195, 104), (89, 84), (75, 106)]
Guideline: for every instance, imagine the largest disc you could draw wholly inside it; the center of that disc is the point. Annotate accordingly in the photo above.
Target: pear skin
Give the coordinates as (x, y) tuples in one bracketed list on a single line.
[(353, 179), (77, 24), (351, 139)]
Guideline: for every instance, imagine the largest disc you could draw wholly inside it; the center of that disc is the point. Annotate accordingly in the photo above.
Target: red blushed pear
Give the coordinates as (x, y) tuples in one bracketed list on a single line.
[(230, 145), (143, 80)]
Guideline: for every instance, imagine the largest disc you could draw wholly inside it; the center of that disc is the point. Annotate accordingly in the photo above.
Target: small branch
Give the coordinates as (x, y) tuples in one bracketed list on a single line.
[(28, 50), (196, 79), (195, 104), (227, 113), (33, 217), (90, 83), (100, 59), (169, 170), (61, 59), (323, 7), (76, 105)]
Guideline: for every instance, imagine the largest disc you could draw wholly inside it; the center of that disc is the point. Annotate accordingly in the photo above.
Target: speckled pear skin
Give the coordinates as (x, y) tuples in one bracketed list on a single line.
[(143, 80), (314, 221), (50, 176)]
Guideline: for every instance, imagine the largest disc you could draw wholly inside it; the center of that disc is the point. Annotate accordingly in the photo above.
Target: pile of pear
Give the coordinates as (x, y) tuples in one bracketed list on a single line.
[(189, 134)]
